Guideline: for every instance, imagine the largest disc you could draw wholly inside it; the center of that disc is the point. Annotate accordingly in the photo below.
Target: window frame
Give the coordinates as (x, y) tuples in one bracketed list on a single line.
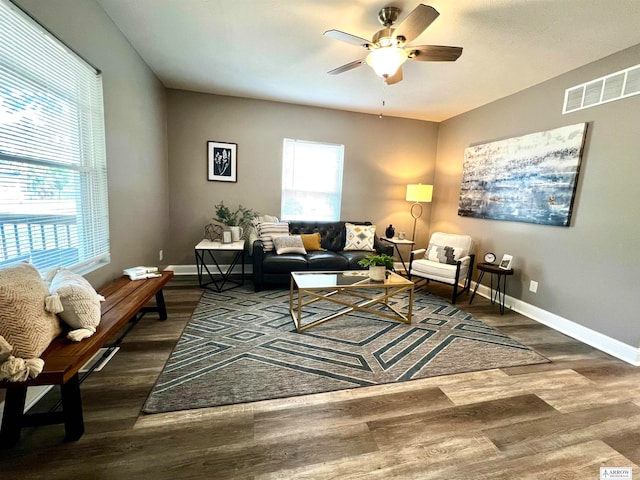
[(332, 196), (62, 95)]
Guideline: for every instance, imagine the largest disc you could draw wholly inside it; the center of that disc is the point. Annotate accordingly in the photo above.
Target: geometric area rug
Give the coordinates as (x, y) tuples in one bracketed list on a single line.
[(241, 346)]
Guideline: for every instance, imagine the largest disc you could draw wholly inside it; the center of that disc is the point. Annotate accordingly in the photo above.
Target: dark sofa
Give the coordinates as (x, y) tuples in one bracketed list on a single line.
[(271, 269)]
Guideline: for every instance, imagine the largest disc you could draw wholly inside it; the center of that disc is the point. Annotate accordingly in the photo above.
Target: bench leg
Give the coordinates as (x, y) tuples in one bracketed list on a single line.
[(162, 308), (12, 416), (72, 409)]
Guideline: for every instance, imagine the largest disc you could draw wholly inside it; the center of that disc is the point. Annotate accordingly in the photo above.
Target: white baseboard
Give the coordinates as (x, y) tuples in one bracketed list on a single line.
[(602, 342)]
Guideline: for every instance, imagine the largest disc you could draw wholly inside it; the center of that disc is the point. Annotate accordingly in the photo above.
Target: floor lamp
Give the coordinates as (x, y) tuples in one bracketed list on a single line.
[(418, 193)]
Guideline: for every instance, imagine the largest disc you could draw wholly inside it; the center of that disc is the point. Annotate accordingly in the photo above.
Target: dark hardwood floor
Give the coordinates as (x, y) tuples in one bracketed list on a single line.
[(562, 420)]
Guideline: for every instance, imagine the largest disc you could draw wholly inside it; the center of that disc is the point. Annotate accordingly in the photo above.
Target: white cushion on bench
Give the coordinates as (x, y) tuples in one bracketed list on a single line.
[(80, 303)]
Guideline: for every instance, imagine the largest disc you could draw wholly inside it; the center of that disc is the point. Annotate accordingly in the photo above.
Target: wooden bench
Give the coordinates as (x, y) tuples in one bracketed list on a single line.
[(63, 359)]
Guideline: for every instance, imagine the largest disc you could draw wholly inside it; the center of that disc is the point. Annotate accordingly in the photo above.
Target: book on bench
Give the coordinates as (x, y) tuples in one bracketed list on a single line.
[(139, 273)]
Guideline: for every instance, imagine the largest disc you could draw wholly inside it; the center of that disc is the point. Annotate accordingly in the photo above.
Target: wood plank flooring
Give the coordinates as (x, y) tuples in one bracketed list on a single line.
[(562, 420)]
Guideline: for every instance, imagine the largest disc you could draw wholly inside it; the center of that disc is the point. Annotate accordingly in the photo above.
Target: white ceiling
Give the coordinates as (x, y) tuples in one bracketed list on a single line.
[(275, 49)]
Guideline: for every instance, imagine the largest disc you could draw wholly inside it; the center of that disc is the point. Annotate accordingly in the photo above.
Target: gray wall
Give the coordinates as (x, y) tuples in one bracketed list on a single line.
[(382, 155), (135, 123), (588, 272)]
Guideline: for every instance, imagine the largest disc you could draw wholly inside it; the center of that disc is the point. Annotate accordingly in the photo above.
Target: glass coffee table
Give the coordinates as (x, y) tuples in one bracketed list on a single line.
[(351, 291)]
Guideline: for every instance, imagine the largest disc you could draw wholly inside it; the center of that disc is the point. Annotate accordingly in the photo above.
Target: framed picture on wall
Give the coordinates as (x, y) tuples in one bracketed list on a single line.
[(222, 161)]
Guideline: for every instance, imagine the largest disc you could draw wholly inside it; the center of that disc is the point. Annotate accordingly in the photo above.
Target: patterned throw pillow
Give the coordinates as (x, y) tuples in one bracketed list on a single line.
[(253, 229), (289, 244), (26, 326), (360, 237), (268, 230), (437, 253), (311, 241)]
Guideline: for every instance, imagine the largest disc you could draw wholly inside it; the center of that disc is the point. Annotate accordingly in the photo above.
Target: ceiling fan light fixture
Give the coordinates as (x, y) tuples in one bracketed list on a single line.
[(385, 61)]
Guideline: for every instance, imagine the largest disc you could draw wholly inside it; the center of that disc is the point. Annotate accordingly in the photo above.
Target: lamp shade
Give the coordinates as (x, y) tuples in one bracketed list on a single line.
[(386, 60), (419, 193)]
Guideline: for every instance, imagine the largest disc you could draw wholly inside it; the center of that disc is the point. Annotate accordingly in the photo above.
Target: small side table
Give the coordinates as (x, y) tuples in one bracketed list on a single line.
[(396, 242), (208, 248), (499, 293)]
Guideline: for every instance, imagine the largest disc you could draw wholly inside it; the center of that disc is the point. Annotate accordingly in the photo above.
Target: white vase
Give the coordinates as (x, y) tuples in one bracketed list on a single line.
[(377, 273), (236, 233)]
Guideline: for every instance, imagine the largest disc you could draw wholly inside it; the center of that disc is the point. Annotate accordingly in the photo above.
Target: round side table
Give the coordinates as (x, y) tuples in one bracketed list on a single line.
[(501, 274)]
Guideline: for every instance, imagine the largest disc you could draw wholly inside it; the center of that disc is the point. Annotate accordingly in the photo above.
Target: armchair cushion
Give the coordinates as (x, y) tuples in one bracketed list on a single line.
[(454, 240), (442, 272)]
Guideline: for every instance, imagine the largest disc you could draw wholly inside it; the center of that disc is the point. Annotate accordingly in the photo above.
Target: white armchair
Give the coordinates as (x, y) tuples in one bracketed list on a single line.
[(448, 259)]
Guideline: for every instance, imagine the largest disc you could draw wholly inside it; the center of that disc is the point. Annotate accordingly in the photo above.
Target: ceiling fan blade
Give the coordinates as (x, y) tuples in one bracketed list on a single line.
[(416, 22), (395, 78), (347, 67), (347, 37), (434, 53)]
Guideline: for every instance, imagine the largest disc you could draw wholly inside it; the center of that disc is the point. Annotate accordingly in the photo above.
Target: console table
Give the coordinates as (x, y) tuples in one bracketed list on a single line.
[(501, 274), (206, 251)]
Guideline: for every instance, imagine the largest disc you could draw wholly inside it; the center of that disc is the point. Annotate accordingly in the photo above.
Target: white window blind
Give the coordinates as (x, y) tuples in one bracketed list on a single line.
[(53, 176), (311, 180)]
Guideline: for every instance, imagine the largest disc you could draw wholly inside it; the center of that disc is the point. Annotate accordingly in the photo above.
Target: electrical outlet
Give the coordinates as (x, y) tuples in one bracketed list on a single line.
[(533, 286), (160, 255)]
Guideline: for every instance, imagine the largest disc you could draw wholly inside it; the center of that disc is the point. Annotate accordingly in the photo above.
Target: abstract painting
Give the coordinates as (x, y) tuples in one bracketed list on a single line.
[(531, 178)]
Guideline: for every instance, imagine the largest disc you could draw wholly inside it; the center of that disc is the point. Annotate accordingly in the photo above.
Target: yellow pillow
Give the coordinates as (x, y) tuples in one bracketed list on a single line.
[(311, 241)]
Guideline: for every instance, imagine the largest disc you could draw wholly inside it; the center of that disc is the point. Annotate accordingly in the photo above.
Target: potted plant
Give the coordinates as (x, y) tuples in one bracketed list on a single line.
[(239, 218), (378, 264)]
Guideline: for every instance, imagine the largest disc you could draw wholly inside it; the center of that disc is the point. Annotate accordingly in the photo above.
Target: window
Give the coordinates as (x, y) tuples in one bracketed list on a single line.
[(311, 180), (53, 176)]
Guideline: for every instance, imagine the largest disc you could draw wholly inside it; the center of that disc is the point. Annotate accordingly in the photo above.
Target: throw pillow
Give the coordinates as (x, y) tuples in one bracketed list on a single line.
[(79, 301), (289, 244), (437, 253), (25, 324), (253, 229), (312, 241), (268, 230), (360, 237)]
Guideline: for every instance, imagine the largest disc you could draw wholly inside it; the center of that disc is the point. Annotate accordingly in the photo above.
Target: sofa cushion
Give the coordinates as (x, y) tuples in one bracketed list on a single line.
[(360, 237), (289, 244), (353, 257), (331, 233), (326, 260), (285, 263)]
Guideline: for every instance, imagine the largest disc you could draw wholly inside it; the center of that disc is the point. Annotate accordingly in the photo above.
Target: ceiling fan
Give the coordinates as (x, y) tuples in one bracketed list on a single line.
[(387, 48)]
